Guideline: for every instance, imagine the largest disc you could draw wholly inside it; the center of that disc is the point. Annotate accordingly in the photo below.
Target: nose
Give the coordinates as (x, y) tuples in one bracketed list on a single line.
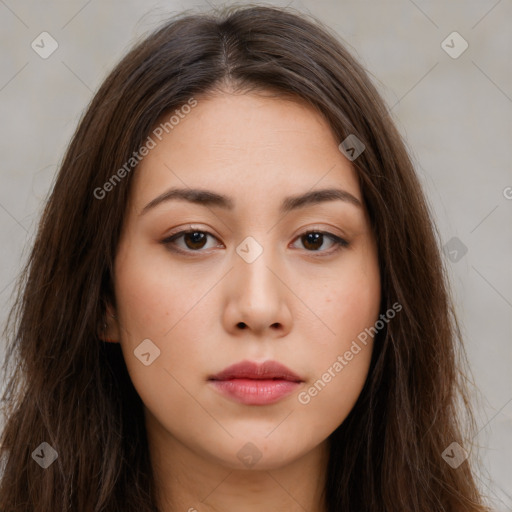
[(257, 299)]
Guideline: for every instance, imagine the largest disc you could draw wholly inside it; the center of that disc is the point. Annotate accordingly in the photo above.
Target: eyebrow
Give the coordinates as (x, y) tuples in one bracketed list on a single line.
[(209, 198)]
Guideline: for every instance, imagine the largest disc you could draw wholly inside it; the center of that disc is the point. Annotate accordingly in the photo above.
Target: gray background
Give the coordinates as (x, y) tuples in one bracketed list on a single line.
[(455, 113)]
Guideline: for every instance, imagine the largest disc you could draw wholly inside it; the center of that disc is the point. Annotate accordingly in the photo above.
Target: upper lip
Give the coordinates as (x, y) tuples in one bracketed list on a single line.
[(257, 371)]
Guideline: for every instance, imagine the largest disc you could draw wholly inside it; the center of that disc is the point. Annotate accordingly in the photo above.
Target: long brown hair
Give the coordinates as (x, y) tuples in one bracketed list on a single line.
[(69, 389)]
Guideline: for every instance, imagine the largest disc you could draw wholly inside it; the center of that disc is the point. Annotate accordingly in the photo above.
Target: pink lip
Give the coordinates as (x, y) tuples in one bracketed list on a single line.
[(256, 384)]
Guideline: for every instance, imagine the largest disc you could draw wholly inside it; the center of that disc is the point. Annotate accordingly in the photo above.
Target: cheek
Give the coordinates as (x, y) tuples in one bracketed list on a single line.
[(153, 297), (157, 303), (348, 303), (152, 309), (339, 360), (338, 367)]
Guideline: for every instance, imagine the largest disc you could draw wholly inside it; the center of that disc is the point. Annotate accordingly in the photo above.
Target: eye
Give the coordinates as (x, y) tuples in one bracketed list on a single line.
[(313, 241), (194, 240)]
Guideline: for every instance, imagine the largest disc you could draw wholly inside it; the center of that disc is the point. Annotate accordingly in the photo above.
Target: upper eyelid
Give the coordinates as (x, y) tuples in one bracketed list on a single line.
[(191, 228)]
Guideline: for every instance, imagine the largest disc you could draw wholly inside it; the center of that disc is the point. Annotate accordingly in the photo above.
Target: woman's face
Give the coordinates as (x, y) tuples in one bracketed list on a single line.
[(264, 276)]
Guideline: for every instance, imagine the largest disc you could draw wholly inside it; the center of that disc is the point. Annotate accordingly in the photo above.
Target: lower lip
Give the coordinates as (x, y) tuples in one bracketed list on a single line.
[(255, 392)]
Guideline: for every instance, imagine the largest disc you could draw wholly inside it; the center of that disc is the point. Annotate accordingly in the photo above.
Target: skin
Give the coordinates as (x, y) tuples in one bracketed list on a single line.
[(299, 308)]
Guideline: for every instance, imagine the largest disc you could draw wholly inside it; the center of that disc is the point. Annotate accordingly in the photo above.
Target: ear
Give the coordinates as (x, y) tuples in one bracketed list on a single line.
[(109, 331)]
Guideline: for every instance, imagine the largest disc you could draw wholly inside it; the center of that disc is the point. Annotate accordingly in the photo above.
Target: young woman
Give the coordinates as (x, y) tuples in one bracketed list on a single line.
[(236, 299)]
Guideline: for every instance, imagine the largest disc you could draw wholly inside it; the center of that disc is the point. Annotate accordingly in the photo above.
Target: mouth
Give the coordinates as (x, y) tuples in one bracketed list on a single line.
[(253, 383)]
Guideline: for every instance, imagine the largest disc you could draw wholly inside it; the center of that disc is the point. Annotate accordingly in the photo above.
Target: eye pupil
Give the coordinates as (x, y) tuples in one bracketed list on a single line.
[(313, 240), (196, 237)]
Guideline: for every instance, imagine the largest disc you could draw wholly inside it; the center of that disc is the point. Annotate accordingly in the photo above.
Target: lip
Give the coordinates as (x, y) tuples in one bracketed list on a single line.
[(254, 383)]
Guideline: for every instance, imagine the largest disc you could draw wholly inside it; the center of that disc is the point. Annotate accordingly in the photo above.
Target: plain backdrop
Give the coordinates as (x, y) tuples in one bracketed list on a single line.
[(455, 112)]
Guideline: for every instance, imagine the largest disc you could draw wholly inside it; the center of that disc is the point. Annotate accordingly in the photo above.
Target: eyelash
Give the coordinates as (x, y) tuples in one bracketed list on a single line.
[(340, 243)]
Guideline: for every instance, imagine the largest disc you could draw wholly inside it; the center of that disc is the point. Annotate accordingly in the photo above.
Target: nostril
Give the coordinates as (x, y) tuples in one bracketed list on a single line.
[(241, 325)]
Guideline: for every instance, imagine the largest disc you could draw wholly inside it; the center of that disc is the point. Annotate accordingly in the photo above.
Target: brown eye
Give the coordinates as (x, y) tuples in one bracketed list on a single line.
[(192, 240), (195, 239), (313, 241)]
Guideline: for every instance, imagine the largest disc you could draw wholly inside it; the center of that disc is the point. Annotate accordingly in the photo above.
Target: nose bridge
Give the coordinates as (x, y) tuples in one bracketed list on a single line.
[(252, 270), (257, 292)]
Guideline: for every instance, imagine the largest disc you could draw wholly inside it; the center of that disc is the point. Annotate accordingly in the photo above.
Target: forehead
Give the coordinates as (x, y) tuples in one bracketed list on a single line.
[(248, 146)]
